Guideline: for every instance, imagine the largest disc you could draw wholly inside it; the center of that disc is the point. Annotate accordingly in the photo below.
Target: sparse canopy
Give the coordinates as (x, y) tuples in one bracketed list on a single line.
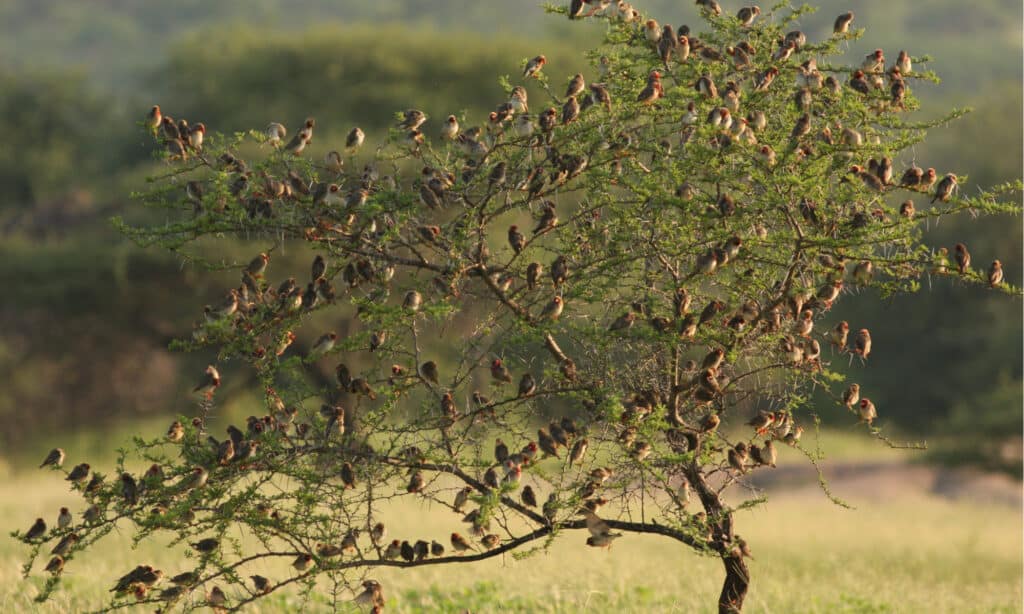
[(625, 284)]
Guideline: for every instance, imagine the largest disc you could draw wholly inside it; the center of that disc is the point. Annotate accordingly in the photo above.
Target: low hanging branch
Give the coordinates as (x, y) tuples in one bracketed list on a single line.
[(627, 287)]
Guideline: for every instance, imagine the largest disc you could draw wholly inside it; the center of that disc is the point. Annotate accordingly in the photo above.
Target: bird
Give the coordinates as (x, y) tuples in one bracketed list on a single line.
[(78, 473), (37, 530), (354, 140), (209, 383), (490, 541), (55, 458), (653, 90), (862, 343), (55, 565), (747, 15), (450, 128), (534, 66), (866, 410), (553, 310), (416, 482), (64, 518), (851, 396), (323, 344), (842, 23), (261, 583), (963, 258), (499, 372), (995, 274), (206, 545), (460, 544), (303, 562), (527, 385), (945, 188), (371, 594)]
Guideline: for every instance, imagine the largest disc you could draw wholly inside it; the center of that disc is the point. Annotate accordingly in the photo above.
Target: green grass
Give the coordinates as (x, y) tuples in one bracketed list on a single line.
[(906, 555)]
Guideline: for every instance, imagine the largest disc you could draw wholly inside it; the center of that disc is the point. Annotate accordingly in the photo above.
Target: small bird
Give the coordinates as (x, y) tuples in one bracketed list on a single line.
[(839, 334), (534, 66), (623, 322), (428, 370), (303, 562), (653, 90), (196, 479), (324, 344), (963, 258), (605, 539), (462, 497), (527, 496), (500, 373), (54, 458), (275, 134), (748, 14), (261, 584), (64, 519), (945, 188), (56, 565), (415, 482), (851, 396), (527, 385), (450, 128), (393, 551), (553, 310), (862, 343), (842, 23), (460, 544), (65, 544), (206, 545), (738, 455), (867, 411), (516, 239), (78, 473), (153, 119), (412, 119), (37, 530), (208, 384), (995, 274), (371, 594), (500, 451), (547, 444), (490, 541), (354, 140)]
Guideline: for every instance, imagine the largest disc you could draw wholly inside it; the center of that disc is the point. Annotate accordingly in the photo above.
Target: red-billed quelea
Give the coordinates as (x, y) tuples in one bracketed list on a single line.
[(534, 66)]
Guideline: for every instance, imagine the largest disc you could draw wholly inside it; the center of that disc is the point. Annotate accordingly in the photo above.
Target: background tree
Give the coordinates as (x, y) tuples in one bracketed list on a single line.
[(670, 239)]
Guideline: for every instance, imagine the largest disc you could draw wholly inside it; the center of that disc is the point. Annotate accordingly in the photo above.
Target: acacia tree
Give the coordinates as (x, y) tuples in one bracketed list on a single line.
[(631, 270)]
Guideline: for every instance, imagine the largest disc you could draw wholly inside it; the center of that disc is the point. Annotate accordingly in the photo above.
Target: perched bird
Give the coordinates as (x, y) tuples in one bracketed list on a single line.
[(261, 584), (490, 541), (851, 396), (963, 258), (500, 373), (516, 239), (605, 539), (37, 530), (945, 188), (653, 90), (995, 274), (867, 411), (56, 565), (65, 544), (354, 140), (323, 344), (450, 128), (553, 310), (527, 385), (196, 479), (371, 594), (862, 343), (547, 444), (460, 544), (839, 334), (208, 384), (54, 458), (206, 545), (534, 66), (748, 14), (416, 482), (78, 473), (64, 519), (842, 23), (303, 562), (738, 455), (462, 497)]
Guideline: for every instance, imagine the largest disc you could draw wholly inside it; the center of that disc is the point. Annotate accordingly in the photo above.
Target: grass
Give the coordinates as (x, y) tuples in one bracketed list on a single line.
[(905, 555)]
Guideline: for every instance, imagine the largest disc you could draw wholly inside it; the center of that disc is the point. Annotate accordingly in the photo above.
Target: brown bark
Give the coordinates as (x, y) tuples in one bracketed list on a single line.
[(734, 589)]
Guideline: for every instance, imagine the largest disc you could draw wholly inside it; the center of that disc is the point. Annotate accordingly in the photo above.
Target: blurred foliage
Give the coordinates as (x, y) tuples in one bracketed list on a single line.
[(75, 76)]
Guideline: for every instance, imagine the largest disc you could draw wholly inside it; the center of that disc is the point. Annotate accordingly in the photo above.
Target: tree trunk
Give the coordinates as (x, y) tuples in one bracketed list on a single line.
[(734, 589)]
